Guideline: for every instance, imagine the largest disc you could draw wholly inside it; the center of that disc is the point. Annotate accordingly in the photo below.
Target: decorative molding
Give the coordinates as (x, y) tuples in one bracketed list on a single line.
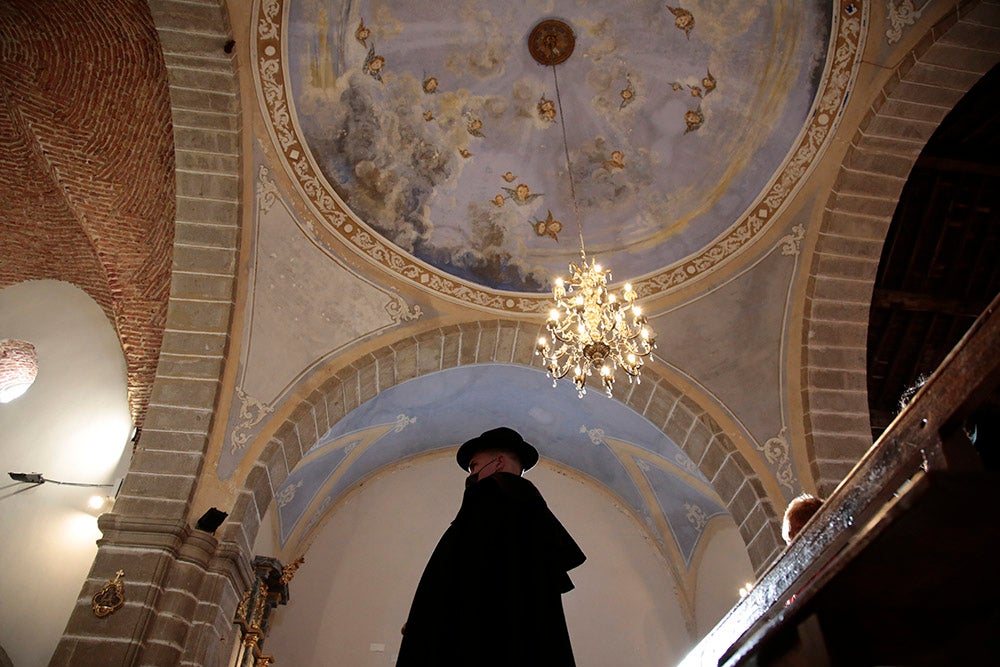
[(267, 47), (267, 191), (400, 311), (596, 435), (286, 494), (900, 15), (402, 421), (252, 413), (696, 516), (776, 452), (792, 243)]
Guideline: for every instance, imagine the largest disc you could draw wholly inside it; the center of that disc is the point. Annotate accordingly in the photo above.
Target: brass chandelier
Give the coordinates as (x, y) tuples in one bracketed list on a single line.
[(591, 328)]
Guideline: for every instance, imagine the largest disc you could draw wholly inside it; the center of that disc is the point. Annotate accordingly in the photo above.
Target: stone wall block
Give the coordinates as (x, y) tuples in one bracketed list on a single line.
[(428, 352), (526, 340), (166, 462), (209, 186), (209, 164), (206, 235), (488, 336), (194, 343), (406, 359), (506, 338), (170, 418), (209, 141), (184, 392), (191, 209), (259, 484), (198, 315), (450, 346), (160, 486), (200, 259), (469, 349), (172, 441)]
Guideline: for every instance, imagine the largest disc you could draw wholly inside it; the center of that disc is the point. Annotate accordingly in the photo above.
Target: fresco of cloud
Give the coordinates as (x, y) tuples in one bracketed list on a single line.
[(423, 167)]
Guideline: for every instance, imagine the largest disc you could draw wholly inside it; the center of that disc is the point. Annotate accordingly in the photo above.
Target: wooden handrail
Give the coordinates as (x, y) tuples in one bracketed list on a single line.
[(918, 439)]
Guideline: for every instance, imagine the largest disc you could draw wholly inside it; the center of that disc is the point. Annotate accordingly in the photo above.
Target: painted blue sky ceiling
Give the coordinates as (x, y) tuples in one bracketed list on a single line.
[(596, 436)]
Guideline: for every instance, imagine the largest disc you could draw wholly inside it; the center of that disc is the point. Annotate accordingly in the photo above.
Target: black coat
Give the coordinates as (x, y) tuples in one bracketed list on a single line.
[(490, 595)]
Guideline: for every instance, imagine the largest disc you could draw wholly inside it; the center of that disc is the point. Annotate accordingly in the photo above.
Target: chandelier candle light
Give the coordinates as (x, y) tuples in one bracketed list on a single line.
[(591, 328)]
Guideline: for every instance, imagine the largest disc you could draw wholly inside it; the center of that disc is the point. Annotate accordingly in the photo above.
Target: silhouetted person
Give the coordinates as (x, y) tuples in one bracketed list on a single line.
[(491, 594)]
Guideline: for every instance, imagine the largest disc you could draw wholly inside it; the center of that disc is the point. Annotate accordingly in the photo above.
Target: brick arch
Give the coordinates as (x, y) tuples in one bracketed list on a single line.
[(88, 163), (509, 342), (928, 83)]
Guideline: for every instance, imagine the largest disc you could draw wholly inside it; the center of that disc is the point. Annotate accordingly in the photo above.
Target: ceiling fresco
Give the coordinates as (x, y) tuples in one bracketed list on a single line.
[(646, 471), (434, 126)]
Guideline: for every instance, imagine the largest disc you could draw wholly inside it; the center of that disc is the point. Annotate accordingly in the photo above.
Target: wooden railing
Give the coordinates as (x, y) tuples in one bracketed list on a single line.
[(925, 437)]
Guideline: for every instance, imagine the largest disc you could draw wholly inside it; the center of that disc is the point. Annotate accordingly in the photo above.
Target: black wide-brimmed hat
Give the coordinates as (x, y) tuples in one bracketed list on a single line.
[(502, 438)]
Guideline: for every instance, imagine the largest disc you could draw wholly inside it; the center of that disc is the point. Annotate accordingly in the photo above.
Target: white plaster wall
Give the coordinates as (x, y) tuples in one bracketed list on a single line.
[(724, 568), (72, 425), (353, 592)]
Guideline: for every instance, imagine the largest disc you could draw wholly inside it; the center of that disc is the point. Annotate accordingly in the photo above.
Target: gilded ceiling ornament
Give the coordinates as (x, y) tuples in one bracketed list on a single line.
[(547, 227), (683, 19), (374, 64), (362, 33), (110, 598), (617, 160), (546, 110), (627, 94), (693, 119), (708, 82), (430, 85), (509, 177), (521, 194)]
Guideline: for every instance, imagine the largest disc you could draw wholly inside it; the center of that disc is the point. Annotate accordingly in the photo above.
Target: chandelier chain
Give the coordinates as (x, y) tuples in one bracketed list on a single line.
[(569, 165)]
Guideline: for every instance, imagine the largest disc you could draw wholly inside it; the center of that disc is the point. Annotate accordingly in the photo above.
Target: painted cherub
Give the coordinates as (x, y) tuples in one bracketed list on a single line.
[(546, 110), (475, 127), (683, 19), (693, 118), (548, 227), (521, 194), (627, 94), (362, 33), (374, 64), (708, 82), (617, 160)]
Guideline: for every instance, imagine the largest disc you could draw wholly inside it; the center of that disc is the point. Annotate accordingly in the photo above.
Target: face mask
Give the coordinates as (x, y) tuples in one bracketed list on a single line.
[(474, 477)]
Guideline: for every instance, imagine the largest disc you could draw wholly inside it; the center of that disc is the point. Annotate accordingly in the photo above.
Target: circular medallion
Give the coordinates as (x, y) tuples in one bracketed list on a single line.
[(551, 42)]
